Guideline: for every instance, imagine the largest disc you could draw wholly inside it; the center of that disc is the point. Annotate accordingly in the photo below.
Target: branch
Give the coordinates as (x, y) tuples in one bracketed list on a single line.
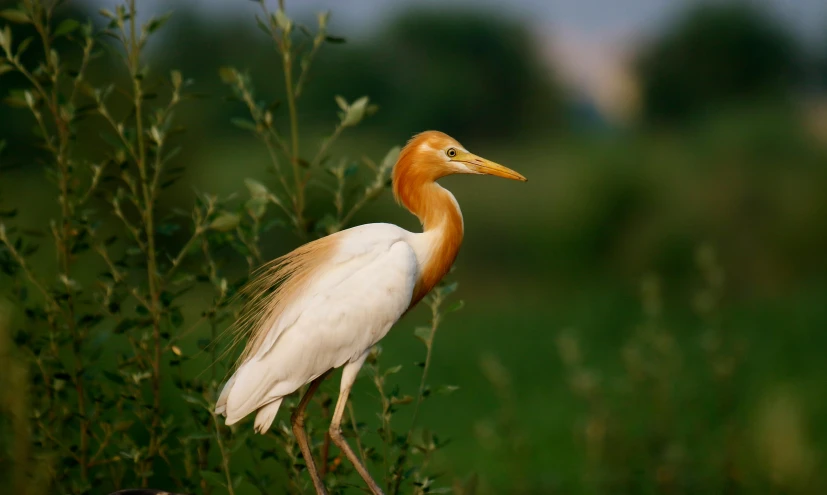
[(225, 459), (21, 261), (116, 274)]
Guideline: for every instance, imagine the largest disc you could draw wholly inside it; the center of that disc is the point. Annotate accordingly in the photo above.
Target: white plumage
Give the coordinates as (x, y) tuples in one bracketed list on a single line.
[(358, 294)]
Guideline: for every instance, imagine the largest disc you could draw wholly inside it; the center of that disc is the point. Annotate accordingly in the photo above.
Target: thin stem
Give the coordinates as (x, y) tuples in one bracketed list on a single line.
[(274, 158), (176, 262), (326, 144), (294, 136), (356, 430), (285, 47), (97, 173), (269, 136), (387, 437), (118, 129), (435, 320), (21, 261), (371, 192), (225, 458), (317, 42), (147, 187)]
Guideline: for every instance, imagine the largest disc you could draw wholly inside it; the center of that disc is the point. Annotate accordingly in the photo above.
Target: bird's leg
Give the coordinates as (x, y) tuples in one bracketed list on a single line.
[(297, 419), (348, 377)]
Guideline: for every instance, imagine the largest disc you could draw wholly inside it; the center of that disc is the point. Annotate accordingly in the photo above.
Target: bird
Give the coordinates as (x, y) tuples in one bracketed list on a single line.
[(324, 305)]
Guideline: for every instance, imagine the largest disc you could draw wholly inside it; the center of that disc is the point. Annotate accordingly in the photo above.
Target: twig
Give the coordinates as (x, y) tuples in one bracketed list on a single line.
[(435, 320), (225, 459), (21, 261), (355, 429)]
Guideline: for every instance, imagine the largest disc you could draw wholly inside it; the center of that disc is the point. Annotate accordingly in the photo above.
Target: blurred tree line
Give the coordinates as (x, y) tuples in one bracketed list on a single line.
[(482, 76), (717, 57), (479, 77)]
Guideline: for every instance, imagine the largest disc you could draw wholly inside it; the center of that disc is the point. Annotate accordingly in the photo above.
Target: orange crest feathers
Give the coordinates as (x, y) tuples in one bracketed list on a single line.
[(417, 166)]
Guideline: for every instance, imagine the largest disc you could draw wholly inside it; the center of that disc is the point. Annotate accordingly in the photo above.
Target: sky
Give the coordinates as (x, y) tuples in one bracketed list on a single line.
[(597, 19)]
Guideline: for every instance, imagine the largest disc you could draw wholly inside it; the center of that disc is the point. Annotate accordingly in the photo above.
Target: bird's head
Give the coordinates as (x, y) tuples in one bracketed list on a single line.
[(431, 155)]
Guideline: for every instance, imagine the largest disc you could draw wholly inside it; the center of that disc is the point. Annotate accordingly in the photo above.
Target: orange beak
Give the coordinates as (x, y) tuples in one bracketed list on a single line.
[(480, 165)]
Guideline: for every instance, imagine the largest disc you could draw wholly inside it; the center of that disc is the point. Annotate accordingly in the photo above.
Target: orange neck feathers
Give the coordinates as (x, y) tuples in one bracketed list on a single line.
[(414, 185)]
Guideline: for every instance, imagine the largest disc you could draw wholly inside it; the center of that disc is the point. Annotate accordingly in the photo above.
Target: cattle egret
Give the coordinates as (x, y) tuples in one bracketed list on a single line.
[(324, 305)]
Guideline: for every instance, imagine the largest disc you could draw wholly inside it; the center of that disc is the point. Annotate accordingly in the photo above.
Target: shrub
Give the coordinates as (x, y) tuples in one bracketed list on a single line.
[(110, 386)]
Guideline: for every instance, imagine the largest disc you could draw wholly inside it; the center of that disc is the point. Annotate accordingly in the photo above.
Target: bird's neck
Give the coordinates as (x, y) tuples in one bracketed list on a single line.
[(441, 219)]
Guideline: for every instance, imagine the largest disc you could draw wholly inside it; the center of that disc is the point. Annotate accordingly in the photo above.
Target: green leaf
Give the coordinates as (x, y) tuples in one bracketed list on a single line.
[(305, 31), (5, 38), (198, 401), (245, 124), (199, 435), (341, 102), (21, 48), (214, 478), (263, 26), (16, 99), (282, 21), (124, 325), (15, 15), (225, 221), (65, 27), (355, 112), (256, 206), (168, 229), (240, 440), (122, 425), (447, 389), (157, 23), (398, 401), (326, 223), (114, 377), (176, 318), (322, 17), (423, 334), (455, 307), (256, 188), (448, 289), (393, 370), (111, 139), (5, 68), (228, 75), (237, 481), (351, 169)]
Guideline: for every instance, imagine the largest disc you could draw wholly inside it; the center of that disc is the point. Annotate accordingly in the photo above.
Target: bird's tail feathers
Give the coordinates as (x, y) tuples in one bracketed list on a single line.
[(266, 415), (221, 404)]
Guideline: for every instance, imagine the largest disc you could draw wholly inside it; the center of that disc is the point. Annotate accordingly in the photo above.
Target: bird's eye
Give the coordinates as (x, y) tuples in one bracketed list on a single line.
[(451, 152)]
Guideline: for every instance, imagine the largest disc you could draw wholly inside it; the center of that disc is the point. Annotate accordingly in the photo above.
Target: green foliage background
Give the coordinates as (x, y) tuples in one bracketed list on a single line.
[(645, 315)]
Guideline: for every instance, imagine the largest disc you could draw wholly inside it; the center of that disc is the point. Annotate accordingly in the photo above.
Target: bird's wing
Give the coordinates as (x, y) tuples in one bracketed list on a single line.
[(348, 304)]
